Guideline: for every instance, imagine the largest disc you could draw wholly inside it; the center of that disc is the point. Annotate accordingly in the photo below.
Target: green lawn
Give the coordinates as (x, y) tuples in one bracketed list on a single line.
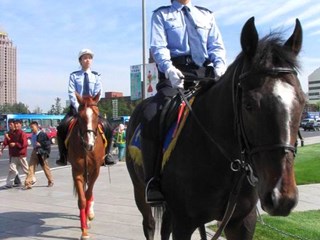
[(298, 225), (307, 164)]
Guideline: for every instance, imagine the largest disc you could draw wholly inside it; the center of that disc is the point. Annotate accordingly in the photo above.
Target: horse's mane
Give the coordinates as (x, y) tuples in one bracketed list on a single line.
[(271, 52)]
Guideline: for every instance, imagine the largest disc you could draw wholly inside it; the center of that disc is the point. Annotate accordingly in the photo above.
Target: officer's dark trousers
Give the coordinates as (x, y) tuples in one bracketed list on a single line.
[(151, 135)]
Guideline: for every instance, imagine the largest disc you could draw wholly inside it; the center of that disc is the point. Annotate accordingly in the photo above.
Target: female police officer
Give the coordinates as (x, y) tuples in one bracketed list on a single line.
[(84, 82)]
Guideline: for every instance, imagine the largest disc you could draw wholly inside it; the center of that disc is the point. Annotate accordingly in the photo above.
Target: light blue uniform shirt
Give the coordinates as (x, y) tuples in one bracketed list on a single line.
[(76, 85), (169, 36)]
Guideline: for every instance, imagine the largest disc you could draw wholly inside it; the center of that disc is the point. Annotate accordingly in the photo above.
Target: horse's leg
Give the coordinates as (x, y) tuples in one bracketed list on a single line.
[(145, 209), (166, 227), (242, 229), (181, 231), (89, 193), (202, 231), (79, 185)]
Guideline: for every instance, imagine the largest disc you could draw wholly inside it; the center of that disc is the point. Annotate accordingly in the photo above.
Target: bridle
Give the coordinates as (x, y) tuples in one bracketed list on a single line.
[(81, 133), (243, 139)]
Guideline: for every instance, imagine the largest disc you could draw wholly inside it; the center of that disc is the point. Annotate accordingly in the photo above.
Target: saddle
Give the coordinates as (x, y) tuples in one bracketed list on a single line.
[(172, 119)]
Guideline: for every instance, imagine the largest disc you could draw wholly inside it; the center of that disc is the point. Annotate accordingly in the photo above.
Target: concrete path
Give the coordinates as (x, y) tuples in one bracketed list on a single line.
[(52, 213)]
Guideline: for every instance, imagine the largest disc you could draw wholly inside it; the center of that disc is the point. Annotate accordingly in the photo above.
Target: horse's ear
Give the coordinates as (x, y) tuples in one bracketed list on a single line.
[(79, 98), (295, 41), (249, 38), (97, 97)]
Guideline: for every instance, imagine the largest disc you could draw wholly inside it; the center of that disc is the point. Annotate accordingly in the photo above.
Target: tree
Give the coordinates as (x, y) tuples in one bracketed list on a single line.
[(56, 108), (14, 108), (37, 110)]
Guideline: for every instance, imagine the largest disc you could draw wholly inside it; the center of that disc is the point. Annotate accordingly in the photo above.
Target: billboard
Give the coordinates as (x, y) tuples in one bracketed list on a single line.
[(151, 76), (135, 82), (151, 80)]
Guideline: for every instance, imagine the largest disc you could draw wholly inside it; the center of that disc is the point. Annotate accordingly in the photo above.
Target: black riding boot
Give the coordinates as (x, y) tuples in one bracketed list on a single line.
[(107, 129), (61, 136), (151, 164)]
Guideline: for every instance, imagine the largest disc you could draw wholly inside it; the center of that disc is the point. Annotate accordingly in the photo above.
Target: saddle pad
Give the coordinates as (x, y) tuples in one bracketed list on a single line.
[(170, 141), (70, 128)]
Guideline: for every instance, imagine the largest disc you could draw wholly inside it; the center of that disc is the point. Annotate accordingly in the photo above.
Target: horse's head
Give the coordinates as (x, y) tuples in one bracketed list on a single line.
[(270, 103), (88, 118)]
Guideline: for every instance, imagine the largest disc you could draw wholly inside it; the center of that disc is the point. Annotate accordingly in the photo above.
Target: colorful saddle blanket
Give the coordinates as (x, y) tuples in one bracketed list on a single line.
[(170, 137)]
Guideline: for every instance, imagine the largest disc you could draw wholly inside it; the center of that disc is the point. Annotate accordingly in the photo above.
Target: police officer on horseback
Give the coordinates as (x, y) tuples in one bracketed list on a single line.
[(84, 82), (186, 45)]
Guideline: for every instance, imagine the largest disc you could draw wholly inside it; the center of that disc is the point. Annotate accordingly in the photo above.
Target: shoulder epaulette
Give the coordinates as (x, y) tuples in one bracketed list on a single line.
[(203, 8), (163, 7), (75, 72), (95, 73)]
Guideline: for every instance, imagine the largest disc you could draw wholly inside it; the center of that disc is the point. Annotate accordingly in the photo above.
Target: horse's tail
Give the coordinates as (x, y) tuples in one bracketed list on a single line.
[(157, 213)]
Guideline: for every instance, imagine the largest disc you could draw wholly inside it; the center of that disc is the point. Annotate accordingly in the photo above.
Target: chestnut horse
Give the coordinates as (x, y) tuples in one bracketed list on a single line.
[(86, 153), (237, 145)]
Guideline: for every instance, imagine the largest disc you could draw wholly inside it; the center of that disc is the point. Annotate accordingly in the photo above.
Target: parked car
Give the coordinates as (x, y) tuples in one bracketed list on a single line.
[(305, 121), (312, 125), (52, 133)]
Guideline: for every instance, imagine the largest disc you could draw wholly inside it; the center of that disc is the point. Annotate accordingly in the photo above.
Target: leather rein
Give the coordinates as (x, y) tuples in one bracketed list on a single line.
[(241, 166)]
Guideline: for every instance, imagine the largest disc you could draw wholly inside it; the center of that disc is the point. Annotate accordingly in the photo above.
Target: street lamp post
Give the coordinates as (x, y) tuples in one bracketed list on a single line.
[(143, 47)]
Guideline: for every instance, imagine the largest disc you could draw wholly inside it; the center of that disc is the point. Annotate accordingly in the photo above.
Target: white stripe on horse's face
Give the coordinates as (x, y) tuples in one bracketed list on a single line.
[(91, 139), (285, 92)]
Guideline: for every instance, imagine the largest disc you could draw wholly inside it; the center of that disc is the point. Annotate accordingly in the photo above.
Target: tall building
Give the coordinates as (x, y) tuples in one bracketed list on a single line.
[(314, 86), (8, 70)]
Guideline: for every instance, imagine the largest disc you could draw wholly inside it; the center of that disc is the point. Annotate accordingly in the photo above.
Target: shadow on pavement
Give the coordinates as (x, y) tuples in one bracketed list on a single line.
[(35, 224)]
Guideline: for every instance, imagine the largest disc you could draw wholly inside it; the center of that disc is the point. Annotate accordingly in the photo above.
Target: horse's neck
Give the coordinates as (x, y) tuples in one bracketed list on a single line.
[(214, 109)]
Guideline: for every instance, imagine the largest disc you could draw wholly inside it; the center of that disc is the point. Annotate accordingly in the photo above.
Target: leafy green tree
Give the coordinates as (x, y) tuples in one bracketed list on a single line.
[(56, 108), (14, 108)]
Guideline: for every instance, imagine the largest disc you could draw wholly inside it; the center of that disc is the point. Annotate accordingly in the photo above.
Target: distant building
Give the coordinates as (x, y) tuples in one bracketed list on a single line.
[(8, 70), (109, 95), (314, 86)]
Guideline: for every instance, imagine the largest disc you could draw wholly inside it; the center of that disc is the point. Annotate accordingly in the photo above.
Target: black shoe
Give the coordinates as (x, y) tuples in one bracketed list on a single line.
[(17, 180), (154, 195), (109, 160), (61, 162)]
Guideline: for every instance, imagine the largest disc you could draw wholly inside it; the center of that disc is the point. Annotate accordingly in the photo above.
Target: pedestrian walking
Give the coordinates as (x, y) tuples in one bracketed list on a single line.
[(16, 140), (41, 149), (120, 141)]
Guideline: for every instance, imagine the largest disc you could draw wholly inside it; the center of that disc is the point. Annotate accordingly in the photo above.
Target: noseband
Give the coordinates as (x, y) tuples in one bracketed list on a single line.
[(243, 139)]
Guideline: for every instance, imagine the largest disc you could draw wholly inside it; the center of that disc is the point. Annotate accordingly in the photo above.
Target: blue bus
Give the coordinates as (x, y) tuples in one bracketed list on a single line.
[(44, 120)]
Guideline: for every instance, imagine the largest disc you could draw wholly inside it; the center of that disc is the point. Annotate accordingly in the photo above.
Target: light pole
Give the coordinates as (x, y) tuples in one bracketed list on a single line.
[(143, 47)]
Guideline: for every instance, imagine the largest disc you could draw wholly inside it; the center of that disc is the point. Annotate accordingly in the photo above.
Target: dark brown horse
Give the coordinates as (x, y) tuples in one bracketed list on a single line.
[(86, 154), (237, 145)]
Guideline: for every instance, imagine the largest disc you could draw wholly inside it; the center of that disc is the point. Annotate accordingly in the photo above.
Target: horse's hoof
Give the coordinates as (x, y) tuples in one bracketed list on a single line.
[(85, 237)]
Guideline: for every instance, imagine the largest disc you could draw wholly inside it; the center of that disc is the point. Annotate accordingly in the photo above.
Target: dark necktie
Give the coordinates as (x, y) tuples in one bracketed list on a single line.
[(194, 38), (85, 85)]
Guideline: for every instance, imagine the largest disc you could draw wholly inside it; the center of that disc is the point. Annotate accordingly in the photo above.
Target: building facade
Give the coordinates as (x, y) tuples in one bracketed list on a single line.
[(314, 86), (8, 70)]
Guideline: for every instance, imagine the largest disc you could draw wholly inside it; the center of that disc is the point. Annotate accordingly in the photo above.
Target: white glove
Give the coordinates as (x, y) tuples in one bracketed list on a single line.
[(175, 76)]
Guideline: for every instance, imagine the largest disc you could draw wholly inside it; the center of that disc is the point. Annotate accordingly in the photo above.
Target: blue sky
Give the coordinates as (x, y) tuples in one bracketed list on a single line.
[(49, 34)]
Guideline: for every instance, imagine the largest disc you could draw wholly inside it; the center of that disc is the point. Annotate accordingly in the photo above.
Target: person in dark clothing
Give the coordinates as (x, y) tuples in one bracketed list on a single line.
[(41, 149), (186, 45)]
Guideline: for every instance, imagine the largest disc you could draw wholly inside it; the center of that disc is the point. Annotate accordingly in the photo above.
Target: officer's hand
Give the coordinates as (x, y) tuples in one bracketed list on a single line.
[(175, 76)]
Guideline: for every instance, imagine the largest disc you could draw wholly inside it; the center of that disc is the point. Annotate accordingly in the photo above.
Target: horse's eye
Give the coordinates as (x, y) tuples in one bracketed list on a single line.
[(248, 107)]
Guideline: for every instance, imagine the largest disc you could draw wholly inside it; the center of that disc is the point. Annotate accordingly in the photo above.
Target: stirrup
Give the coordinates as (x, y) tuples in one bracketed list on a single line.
[(157, 198)]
